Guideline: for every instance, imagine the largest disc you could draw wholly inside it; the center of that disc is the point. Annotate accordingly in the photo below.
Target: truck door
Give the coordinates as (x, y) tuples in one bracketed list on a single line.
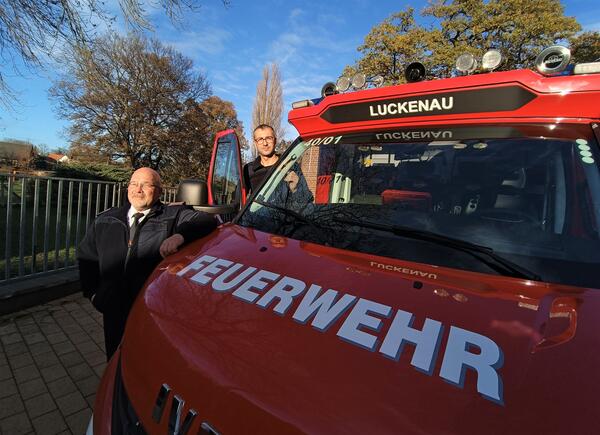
[(225, 187)]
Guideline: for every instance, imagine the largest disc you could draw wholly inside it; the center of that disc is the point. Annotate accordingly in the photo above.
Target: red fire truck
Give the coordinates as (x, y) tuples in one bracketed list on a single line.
[(431, 266)]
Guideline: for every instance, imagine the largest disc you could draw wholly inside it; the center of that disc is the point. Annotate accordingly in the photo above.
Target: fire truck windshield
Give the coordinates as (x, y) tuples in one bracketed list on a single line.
[(527, 193)]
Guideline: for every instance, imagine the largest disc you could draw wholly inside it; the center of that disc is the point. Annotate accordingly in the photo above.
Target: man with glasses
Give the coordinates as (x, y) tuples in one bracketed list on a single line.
[(256, 171), (123, 245)]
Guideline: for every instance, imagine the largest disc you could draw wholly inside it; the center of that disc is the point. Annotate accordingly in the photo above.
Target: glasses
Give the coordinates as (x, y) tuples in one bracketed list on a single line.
[(262, 140), (143, 186)]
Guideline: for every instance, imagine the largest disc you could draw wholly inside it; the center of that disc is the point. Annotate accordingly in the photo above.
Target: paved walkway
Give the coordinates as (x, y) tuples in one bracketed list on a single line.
[(51, 360)]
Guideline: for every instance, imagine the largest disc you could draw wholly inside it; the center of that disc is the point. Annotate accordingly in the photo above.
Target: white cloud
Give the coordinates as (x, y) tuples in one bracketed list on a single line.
[(211, 40), (303, 85), (592, 26)]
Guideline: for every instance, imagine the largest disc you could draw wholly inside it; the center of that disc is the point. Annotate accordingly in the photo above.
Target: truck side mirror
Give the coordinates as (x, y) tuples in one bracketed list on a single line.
[(192, 192), (195, 193)]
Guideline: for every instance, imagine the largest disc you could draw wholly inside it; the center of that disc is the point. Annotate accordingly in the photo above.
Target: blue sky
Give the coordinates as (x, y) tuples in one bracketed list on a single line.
[(312, 41)]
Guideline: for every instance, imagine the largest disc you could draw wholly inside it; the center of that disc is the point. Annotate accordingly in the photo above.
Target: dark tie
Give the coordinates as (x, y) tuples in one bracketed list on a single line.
[(134, 227)]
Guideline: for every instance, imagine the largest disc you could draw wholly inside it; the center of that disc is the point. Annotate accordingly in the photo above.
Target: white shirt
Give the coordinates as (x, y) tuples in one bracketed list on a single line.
[(133, 211)]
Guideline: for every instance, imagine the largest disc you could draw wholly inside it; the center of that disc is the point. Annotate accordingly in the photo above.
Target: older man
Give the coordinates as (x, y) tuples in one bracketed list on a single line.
[(124, 244)]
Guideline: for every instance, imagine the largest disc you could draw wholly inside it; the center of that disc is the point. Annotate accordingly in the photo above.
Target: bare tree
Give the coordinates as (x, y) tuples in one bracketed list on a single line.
[(126, 97), (31, 30), (268, 103)]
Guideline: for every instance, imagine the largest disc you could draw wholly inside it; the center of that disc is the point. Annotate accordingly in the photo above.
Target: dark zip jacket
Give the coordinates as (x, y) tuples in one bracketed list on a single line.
[(114, 271)]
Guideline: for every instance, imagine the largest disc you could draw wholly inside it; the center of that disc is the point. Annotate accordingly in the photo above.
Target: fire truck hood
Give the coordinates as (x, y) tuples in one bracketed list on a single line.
[(359, 343)]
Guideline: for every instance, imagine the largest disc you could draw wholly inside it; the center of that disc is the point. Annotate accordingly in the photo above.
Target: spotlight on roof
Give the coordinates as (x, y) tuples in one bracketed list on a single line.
[(553, 60), (466, 63), (342, 84), (415, 72), (377, 81), (491, 60), (359, 80), (328, 89)]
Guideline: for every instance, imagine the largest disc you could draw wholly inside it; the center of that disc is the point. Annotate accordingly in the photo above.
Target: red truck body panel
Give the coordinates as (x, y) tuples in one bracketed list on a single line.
[(247, 369)]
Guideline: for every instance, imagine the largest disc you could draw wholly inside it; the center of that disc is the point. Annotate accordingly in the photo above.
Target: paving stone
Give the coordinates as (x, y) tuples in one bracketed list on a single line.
[(80, 371), (32, 388), (51, 357), (68, 322), (64, 347), (26, 373), (50, 424), (5, 372), (86, 321), (40, 312), (10, 405), (8, 328), (95, 358), (71, 403), (71, 306), (46, 320), (29, 329), (17, 424), (61, 387), (89, 385), (87, 347), (22, 360), (70, 359), (15, 349), (12, 338), (57, 337), (40, 405), (59, 315), (36, 337), (39, 348), (24, 321), (53, 372), (8, 387), (80, 314), (51, 328), (72, 329), (78, 337), (90, 400), (78, 422), (46, 359), (99, 369), (99, 340)]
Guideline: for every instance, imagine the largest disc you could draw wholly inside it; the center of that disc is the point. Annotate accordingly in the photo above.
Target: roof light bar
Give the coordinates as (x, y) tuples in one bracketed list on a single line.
[(587, 68), (302, 103)]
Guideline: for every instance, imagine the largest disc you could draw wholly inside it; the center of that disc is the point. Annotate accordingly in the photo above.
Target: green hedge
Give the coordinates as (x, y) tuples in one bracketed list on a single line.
[(93, 171)]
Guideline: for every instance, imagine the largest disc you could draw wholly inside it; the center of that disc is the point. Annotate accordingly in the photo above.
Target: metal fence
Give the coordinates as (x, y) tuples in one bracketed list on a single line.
[(44, 219)]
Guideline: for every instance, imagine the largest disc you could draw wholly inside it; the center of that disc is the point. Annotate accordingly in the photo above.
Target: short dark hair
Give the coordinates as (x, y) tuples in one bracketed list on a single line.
[(263, 126)]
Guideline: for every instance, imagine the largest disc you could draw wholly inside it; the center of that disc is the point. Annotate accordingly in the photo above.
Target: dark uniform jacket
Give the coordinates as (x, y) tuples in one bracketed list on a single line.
[(115, 272), (255, 173)]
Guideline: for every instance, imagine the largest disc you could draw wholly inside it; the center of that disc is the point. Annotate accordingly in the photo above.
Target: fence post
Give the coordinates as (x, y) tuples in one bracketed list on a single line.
[(7, 239)]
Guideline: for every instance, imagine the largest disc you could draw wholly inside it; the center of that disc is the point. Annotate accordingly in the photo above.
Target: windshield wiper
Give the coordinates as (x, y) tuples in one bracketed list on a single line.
[(285, 211), (482, 253)]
